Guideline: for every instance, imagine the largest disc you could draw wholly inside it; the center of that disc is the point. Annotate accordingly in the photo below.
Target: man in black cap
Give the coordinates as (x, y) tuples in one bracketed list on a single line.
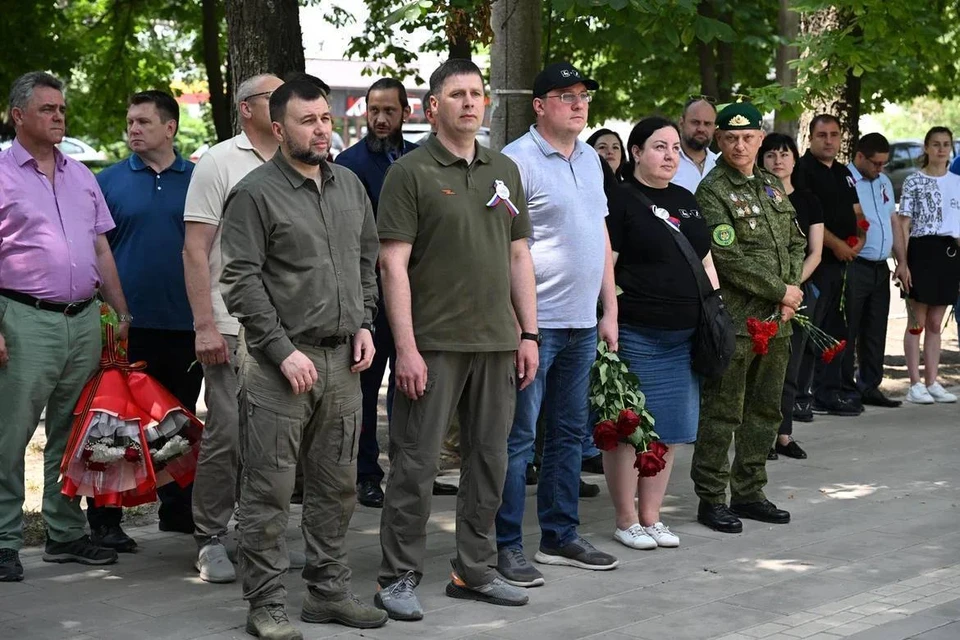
[(563, 183)]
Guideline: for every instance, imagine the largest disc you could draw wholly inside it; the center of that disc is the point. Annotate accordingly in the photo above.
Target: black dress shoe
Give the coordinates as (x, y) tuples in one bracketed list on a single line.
[(588, 490), (444, 489), (791, 450), (532, 476), (764, 511), (772, 455), (113, 537), (875, 398), (369, 494), (10, 568), (719, 518), (838, 407), (593, 465), (802, 412)]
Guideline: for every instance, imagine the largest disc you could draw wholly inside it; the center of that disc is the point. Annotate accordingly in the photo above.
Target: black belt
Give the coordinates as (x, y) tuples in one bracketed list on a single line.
[(66, 308), (329, 342), (872, 263)]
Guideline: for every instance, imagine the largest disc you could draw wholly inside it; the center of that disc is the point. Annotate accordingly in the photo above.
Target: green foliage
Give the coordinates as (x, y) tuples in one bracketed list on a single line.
[(912, 120), (614, 388)]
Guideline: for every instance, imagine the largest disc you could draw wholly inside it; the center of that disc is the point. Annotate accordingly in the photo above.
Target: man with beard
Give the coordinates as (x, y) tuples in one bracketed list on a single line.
[(697, 126), (299, 247), (387, 109)]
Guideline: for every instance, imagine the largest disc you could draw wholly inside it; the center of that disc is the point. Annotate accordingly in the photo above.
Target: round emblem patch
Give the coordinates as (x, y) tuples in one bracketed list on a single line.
[(723, 235)]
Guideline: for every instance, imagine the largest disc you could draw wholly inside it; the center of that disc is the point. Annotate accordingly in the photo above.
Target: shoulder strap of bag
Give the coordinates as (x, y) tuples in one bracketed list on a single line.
[(703, 282)]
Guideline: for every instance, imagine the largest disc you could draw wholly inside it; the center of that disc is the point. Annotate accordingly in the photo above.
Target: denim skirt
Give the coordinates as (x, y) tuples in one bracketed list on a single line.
[(661, 359)]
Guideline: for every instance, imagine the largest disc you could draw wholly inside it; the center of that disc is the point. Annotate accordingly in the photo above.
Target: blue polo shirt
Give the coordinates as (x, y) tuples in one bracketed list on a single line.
[(370, 167), (955, 166), (876, 200), (147, 242)]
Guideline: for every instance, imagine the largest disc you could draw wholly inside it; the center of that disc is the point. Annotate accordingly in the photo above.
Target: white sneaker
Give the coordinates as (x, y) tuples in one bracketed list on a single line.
[(940, 394), (919, 394), (635, 538), (662, 535), (214, 565)]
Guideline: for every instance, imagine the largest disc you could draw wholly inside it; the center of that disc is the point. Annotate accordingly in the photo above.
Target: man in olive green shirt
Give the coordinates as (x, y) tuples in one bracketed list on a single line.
[(758, 250), (299, 247), (455, 268)]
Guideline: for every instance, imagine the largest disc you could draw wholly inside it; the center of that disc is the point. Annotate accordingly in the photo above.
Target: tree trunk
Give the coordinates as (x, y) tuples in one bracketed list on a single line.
[(219, 102), (843, 100), (460, 47), (514, 62), (263, 37), (706, 56), (788, 26)]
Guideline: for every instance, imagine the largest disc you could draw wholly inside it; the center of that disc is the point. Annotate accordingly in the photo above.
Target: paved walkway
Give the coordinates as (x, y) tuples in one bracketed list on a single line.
[(872, 554)]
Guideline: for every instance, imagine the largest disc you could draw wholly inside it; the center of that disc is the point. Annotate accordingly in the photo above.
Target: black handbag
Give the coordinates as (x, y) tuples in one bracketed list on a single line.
[(715, 339)]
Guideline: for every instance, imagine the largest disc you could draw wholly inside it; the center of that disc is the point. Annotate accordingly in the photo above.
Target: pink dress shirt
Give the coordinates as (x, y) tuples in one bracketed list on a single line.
[(47, 235)]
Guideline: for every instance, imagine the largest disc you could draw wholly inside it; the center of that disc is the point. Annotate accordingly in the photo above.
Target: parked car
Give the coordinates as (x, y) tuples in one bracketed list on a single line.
[(904, 160), (336, 146), (75, 148), (416, 131)]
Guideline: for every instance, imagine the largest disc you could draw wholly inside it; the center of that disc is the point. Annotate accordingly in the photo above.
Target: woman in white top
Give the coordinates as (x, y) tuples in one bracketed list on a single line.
[(926, 244)]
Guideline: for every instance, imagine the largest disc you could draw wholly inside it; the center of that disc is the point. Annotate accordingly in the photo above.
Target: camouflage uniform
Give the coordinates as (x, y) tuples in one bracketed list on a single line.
[(758, 249)]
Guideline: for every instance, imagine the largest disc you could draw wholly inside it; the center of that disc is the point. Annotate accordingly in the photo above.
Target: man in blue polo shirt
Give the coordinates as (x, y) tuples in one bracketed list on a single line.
[(387, 108), (868, 296), (145, 194)]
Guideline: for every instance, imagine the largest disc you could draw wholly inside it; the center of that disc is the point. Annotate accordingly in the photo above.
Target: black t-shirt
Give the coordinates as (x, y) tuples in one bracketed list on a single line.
[(659, 288), (808, 209), (836, 189)]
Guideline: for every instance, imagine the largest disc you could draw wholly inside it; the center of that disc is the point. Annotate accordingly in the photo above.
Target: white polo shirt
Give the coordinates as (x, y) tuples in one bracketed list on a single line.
[(215, 175), (688, 173)]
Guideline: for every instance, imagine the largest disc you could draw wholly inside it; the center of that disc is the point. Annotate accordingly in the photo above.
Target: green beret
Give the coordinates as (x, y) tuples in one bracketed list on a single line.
[(738, 116)]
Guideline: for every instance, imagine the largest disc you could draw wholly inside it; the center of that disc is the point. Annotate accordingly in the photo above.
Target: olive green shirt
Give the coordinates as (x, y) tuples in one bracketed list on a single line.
[(459, 265), (298, 261), (757, 247)]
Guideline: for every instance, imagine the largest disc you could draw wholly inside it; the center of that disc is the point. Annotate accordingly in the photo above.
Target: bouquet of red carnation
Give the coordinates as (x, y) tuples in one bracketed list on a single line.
[(864, 224), (852, 241), (761, 331), (616, 397)]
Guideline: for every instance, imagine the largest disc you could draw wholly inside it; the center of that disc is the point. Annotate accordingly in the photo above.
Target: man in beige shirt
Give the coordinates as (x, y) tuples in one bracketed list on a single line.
[(299, 248), (217, 172)]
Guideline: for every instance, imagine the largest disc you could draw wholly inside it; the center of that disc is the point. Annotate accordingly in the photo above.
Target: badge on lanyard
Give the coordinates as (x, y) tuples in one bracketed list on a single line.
[(502, 194)]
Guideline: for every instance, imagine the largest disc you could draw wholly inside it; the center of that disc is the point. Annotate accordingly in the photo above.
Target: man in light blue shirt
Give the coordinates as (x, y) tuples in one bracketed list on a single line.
[(868, 286)]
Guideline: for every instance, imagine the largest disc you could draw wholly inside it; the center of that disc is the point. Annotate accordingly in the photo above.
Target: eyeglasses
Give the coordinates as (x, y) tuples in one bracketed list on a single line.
[(257, 95), (698, 97), (571, 98)]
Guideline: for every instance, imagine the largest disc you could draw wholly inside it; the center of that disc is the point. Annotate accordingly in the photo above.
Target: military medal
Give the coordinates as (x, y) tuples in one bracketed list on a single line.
[(773, 193), (502, 194), (756, 209), (753, 223)]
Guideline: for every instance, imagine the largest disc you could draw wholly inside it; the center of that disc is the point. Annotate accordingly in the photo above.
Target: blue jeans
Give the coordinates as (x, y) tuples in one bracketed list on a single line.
[(561, 388)]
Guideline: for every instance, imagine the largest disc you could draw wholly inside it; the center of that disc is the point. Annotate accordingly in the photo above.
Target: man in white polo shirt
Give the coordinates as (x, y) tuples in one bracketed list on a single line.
[(697, 125), (563, 183), (218, 170)]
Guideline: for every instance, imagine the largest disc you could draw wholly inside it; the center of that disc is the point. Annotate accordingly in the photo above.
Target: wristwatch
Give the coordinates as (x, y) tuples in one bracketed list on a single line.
[(536, 337), (124, 317), (369, 327)]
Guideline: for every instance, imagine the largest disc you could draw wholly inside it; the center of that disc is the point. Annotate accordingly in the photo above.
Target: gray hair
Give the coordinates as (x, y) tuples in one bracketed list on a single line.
[(22, 89), (249, 86)]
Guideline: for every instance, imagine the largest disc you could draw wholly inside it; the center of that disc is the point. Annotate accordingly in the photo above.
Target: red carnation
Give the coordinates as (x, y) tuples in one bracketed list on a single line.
[(87, 453), (915, 330), (96, 466), (841, 346), (627, 423), (864, 224), (131, 454), (828, 355), (605, 435), (760, 332), (648, 464), (658, 448), (852, 241)]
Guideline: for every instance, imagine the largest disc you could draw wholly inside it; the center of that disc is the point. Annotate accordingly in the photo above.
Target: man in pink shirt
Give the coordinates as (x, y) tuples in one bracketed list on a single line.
[(53, 259)]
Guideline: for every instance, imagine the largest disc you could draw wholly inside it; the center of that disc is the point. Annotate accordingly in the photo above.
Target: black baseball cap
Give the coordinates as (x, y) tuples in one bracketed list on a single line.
[(558, 76)]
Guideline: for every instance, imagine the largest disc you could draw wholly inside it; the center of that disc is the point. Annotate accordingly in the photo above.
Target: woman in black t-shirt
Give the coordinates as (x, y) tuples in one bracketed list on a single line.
[(659, 310), (779, 156)]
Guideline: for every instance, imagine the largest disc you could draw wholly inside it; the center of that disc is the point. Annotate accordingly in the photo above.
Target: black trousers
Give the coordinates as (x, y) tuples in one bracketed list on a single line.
[(868, 305), (799, 347), (829, 316), (168, 355), (368, 453)]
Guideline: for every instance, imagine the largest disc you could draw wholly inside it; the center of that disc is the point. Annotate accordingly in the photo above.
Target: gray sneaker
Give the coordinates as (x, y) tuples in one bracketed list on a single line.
[(349, 611), (496, 592), (270, 622), (399, 600), (213, 563), (515, 570), (580, 554)]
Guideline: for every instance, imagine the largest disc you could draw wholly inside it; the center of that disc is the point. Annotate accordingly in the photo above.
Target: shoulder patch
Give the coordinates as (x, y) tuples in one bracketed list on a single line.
[(724, 235)]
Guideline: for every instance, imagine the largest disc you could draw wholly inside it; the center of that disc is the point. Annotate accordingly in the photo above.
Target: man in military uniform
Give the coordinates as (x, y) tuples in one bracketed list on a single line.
[(758, 250)]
